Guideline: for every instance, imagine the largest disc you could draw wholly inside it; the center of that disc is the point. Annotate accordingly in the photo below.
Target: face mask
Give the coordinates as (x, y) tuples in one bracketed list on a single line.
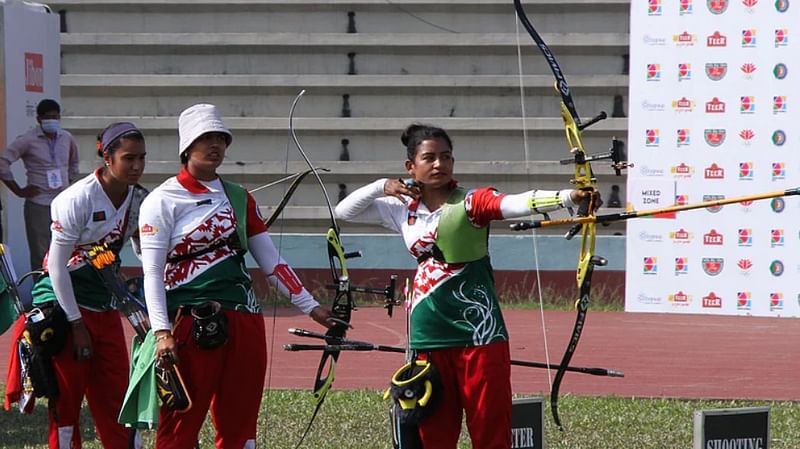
[(50, 125)]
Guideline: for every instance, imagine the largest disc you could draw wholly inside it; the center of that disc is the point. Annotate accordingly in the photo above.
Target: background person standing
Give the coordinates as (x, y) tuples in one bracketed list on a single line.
[(50, 157)]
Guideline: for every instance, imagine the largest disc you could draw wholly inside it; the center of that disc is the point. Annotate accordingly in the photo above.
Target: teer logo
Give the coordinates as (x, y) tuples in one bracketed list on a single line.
[(682, 170), (685, 39), (712, 301), (683, 105), (717, 40), (715, 106), (34, 72), (681, 236), (680, 299), (713, 238), (714, 171)]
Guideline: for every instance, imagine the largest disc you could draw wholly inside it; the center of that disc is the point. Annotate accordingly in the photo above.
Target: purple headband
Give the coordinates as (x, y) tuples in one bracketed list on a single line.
[(114, 132)]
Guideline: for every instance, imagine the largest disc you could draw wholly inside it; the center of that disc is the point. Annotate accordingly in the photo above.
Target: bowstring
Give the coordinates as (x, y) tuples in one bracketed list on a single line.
[(526, 148)]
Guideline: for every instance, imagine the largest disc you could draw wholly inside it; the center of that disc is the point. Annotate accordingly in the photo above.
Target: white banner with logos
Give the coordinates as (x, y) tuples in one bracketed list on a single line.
[(31, 67), (714, 108)]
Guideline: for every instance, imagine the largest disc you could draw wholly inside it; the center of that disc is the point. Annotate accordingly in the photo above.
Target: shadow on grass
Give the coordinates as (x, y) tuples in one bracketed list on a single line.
[(30, 431)]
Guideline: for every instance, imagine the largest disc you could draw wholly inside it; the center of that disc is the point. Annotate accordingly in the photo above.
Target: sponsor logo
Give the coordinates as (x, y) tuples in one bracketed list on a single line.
[(681, 236), (647, 299), (682, 170), (717, 6), (685, 7), (650, 238), (745, 237), (748, 104), (653, 107), (683, 137), (653, 72), (34, 72), (776, 268), (681, 200), (749, 38), (680, 299), (715, 71), (147, 229), (683, 105), (744, 266), (685, 39), (713, 238), (778, 104), (776, 238), (712, 301), (778, 138), (713, 209), (746, 171), (743, 301), (750, 5), (748, 68), (778, 205), (651, 172), (747, 136), (654, 7), (714, 137), (56, 226), (745, 205), (681, 265), (650, 265), (781, 37), (780, 71), (652, 138), (712, 266), (656, 41), (714, 172), (775, 301), (684, 72), (781, 5), (717, 40), (715, 106), (778, 171)]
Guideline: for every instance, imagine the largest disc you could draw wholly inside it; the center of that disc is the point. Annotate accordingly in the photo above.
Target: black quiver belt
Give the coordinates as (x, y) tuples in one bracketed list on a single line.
[(209, 325)]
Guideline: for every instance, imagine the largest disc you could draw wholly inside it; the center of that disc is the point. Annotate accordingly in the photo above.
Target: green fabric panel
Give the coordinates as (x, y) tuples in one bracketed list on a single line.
[(237, 195), (456, 237), (140, 408), (226, 282), (463, 311), (87, 285)]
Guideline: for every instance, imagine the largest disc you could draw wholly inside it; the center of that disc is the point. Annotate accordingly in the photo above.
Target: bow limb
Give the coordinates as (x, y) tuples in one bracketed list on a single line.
[(584, 180), (343, 301)]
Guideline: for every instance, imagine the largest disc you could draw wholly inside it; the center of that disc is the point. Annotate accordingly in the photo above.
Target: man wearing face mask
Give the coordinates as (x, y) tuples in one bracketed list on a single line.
[(50, 157)]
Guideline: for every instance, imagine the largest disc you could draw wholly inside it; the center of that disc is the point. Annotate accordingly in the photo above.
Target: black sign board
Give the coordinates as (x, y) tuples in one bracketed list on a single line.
[(527, 423), (732, 428)]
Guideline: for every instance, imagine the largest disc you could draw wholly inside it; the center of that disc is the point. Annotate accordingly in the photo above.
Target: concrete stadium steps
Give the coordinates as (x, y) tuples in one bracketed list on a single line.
[(369, 139), (371, 16), (146, 60)]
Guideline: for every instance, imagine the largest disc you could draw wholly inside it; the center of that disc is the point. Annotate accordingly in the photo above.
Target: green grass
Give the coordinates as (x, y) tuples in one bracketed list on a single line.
[(358, 419)]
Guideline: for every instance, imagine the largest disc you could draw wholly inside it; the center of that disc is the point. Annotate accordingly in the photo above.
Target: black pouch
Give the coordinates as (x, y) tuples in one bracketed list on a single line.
[(47, 329), (209, 325)]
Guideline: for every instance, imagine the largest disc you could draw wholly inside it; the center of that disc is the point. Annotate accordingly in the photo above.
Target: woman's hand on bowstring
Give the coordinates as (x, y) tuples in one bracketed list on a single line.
[(401, 189), (580, 196), (166, 348), (81, 341)]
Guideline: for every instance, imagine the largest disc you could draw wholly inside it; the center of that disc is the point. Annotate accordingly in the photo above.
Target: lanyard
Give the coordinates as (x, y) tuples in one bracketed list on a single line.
[(51, 143)]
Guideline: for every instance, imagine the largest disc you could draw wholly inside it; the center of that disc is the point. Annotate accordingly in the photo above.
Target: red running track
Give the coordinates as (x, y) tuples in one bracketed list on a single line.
[(662, 355)]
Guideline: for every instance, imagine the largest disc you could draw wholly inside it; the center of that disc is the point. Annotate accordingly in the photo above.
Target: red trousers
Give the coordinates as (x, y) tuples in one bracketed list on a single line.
[(102, 379), (229, 380), (475, 380)]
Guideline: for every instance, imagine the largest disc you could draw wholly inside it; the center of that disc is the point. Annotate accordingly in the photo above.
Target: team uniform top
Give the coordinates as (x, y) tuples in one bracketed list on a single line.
[(194, 223), (83, 216), (454, 304)]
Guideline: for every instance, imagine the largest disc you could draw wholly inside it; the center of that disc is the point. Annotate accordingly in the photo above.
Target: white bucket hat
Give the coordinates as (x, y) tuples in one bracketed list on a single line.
[(198, 120)]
